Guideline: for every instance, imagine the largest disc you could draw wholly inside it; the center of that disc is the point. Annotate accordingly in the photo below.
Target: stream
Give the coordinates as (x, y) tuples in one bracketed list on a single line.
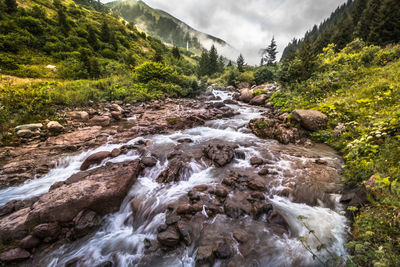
[(120, 239)]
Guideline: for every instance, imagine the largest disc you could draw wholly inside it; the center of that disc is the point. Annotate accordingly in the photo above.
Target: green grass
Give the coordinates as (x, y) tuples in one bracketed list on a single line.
[(359, 90)]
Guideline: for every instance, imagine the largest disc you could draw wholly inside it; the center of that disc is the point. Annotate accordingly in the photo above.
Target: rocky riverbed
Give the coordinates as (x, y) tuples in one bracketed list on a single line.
[(174, 183)]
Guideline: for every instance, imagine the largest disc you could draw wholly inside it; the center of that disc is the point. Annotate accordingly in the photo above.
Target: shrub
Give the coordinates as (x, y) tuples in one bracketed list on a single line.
[(264, 74)]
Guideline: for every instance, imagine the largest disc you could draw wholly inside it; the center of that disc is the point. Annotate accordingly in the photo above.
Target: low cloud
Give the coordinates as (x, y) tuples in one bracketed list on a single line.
[(249, 25)]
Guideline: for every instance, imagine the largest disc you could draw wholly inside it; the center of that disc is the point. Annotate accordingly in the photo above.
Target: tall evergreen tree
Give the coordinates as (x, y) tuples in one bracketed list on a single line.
[(374, 22), (203, 64), (62, 21), (213, 60), (389, 26), (240, 63), (269, 53)]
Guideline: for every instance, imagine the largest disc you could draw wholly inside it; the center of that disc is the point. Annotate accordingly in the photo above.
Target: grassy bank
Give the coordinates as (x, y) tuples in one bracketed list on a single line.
[(359, 89)]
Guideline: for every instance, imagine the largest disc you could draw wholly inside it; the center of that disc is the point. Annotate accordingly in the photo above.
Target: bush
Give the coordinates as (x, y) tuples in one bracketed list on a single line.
[(264, 74), (153, 71)]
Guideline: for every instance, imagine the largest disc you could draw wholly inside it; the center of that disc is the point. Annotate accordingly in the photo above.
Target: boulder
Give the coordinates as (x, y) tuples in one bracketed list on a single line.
[(205, 256), (310, 119), (246, 95), (173, 172), (25, 133), (14, 255), (95, 158), (169, 237), (116, 107), (29, 242), (257, 184), (149, 161), (80, 115), (259, 100), (55, 127), (117, 115), (256, 161), (31, 127), (85, 222), (220, 154), (221, 191), (100, 190), (100, 121), (47, 231), (13, 226)]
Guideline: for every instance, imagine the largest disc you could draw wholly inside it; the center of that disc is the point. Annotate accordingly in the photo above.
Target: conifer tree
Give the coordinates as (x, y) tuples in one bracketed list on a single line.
[(213, 60), (92, 37), (271, 52), (203, 64), (240, 63)]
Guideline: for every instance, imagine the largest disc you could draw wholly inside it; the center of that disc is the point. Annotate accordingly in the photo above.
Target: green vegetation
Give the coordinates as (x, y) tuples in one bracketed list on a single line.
[(375, 21), (92, 56), (359, 89), (162, 25)]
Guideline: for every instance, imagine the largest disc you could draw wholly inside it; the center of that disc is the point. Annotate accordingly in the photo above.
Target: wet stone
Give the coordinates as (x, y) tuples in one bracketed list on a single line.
[(169, 237), (172, 219)]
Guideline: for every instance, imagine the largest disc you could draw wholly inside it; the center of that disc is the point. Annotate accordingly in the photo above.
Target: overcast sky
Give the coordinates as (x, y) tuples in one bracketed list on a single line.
[(249, 25)]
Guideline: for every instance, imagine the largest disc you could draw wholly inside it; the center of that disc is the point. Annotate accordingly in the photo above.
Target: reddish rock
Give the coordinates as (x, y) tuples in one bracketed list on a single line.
[(101, 190), (205, 256), (47, 231), (116, 115), (256, 184), (85, 222), (184, 209), (310, 119), (256, 161), (14, 255), (95, 159), (13, 226), (100, 121), (29, 242), (241, 236), (221, 191), (259, 100), (169, 237), (220, 154), (246, 95)]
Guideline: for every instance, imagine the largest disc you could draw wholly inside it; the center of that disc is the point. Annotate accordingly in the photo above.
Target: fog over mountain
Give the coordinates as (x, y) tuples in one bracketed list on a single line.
[(250, 24)]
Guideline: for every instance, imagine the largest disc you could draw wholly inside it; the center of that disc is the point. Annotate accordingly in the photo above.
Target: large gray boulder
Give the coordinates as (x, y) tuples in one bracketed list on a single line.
[(259, 100), (246, 95), (310, 119)]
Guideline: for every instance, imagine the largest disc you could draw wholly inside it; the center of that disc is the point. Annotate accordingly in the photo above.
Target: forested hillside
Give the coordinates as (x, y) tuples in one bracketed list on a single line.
[(164, 26), (55, 54), (375, 21)]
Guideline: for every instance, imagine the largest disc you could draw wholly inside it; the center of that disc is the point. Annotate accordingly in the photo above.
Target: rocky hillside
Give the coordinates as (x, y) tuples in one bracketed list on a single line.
[(168, 28)]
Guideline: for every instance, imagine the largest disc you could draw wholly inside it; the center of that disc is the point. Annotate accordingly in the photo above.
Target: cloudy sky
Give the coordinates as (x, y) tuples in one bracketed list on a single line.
[(249, 25)]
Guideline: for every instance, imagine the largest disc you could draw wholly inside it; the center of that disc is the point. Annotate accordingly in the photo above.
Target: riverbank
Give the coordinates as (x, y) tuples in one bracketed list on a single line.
[(189, 185)]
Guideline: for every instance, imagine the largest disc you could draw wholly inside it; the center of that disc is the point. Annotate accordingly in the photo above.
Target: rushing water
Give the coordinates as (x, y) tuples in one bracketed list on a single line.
[(121, 237)]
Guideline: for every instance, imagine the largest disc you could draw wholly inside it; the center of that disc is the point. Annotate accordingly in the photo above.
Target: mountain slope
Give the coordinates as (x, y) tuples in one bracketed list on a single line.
[(375, 21), (168, 28)]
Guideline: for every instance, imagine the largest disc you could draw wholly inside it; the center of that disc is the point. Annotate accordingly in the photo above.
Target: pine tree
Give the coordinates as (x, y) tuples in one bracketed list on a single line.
[(389, 22), (11, 6), (203, 64), (175, 52), (271, 52), (374, 22), (232, 78), (240, 63), (307, 57), (230, 63), (213, 61), (113, 42)]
